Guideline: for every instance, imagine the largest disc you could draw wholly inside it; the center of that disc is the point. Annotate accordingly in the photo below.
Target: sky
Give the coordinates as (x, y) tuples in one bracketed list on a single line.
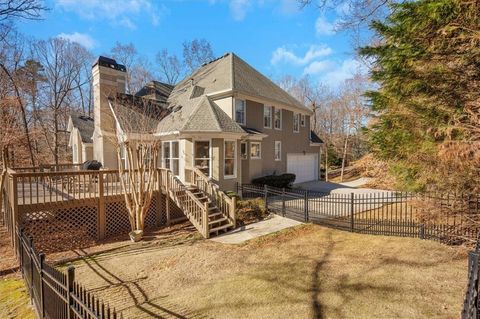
[(274, 36)]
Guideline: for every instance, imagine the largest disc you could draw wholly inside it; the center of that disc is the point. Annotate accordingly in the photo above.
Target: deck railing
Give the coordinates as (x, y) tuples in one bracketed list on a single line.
[(224, 203)]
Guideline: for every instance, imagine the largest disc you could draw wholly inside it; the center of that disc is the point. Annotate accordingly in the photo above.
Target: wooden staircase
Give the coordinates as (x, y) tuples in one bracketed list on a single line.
[(210, 210)]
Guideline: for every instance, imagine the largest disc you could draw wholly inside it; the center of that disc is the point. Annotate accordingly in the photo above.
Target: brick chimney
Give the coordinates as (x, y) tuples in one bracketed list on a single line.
[(108, 80)]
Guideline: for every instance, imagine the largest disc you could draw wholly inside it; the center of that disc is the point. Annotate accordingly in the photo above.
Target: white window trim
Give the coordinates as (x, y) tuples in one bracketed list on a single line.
[(275, 151), (296, 116), (260, 148), (281, 114), (271, 115), (244, 111), (303, 120), (246, 150), (209, 154), (234, 160), (124, 156), (171, 158)]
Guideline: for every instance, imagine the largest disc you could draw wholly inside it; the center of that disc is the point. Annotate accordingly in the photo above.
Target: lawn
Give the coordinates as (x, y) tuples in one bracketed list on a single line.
[(14, 299), (305, 272)]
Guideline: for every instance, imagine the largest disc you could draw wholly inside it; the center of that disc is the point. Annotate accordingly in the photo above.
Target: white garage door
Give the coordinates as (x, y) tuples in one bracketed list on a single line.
[(305, 167)]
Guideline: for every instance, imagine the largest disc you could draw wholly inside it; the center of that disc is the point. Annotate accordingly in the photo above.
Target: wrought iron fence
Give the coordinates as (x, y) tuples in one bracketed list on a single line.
[(451, 219), (56, 294), (471, 306)]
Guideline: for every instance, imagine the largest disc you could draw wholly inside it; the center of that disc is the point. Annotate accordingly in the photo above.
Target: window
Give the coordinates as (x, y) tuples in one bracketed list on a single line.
[(267, 116), (74, 155), (255, 150), (243, 150), (278, 150), (230, 159), (171, 156), (201, 153), (277, 119), (240, 111), (296, 122), (302, 120)]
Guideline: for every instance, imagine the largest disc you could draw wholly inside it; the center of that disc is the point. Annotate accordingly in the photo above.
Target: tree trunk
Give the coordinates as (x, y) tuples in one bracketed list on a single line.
[(344, 157)]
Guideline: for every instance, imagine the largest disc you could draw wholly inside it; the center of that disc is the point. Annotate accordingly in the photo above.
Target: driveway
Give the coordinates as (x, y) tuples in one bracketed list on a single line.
[(340, 188)]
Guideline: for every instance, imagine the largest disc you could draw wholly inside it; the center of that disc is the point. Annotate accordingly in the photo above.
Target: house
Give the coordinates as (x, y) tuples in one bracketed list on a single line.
[(81, 131), (226, 119)]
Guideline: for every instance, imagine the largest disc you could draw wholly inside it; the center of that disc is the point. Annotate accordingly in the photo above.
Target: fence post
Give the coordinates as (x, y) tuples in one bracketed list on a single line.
[(101, 207), (283, 202), (422, 231), (30, 253), (352, 211), (42, 302), (70, 280), (305, 206), (265, 189)]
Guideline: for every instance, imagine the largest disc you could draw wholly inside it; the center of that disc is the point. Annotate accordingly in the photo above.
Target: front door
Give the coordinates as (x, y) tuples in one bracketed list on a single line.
[(201, 153)]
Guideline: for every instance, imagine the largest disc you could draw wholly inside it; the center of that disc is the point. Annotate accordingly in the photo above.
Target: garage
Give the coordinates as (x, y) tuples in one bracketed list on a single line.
[(304, 166)]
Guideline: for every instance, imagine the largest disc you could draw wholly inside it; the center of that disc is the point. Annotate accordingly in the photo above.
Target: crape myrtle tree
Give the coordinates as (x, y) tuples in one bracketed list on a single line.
[(137, 154), (427, 107)]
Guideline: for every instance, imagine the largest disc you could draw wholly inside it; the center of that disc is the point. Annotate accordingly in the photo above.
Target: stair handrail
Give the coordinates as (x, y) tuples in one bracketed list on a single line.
[(175, 184), (226, 204)]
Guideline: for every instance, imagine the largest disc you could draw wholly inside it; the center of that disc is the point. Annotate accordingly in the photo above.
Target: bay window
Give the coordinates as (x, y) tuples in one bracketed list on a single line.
[(278, 151), (171, 156), (255, 150), (302, 120), (230, 157), (243, 150)]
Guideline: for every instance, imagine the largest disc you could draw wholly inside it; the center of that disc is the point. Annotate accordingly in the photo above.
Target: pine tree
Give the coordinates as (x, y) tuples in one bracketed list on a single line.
[(427, 107)]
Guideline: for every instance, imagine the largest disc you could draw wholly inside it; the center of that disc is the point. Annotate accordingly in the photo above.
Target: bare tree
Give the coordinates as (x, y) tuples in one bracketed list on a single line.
[(137, 153), (24, 9), (138, 67), (64, 63), (170, 66), (196, 53)]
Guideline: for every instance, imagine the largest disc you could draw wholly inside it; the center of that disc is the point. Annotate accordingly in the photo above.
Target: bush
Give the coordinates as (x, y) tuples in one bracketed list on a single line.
[(250, 211), (232, 194), (280, 181)]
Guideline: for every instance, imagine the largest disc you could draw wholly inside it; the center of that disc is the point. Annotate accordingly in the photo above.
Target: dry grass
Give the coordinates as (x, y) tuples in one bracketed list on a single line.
[(14, 300), (305, 272)]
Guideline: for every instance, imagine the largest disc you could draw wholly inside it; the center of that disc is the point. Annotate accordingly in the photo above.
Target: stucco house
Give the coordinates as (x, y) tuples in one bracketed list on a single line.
[(225, 118)]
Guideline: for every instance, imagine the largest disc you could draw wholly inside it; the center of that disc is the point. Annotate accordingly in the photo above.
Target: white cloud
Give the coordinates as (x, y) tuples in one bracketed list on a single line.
[(317, 67), (114, 10), (81, 38), (342, 71), (238, 8), (127, 23), (282, 54), (323, 27)]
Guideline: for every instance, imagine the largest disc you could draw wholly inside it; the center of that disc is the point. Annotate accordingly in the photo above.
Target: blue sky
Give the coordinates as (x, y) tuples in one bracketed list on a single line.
[(274, 36)]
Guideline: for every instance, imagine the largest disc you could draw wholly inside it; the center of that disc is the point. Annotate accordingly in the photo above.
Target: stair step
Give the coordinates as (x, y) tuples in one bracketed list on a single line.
[(216, 221), (220, 227), (214, 214)]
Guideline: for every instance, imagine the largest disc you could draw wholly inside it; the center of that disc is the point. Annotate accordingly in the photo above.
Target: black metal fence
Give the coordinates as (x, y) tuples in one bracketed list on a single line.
[(452, 219), (56, 294), (471, 304)]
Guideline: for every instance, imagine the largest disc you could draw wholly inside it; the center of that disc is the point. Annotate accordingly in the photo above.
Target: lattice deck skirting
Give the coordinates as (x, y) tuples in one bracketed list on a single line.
[(79, 224)]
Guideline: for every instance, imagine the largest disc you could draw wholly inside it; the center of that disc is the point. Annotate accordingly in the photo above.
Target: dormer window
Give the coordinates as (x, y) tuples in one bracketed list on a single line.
[(240, 112)]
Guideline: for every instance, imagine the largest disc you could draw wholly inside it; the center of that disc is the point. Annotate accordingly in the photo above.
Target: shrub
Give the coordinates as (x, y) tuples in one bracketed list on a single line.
[(250, 211), (280, 181), (232, 194)]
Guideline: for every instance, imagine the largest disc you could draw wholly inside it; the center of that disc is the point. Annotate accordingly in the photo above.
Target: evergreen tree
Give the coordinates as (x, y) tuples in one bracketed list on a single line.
[(427, 65)]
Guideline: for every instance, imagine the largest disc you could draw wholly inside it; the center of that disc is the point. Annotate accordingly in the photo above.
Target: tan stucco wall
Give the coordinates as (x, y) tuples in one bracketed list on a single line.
[(291, 142), (87, 151), (226, 104)]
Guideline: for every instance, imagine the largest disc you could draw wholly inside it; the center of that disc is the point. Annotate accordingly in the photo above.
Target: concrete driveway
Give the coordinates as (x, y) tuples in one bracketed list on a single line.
[(340, 188)]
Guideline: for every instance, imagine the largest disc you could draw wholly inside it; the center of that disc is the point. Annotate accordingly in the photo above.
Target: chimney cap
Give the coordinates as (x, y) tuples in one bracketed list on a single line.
[(109, 63)]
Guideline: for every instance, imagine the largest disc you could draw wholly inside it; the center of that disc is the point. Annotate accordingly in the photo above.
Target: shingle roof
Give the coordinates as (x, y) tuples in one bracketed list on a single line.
[(137, 114), (156, 90), (314, 138), (85, 126), (230, 72), (201, 114)]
